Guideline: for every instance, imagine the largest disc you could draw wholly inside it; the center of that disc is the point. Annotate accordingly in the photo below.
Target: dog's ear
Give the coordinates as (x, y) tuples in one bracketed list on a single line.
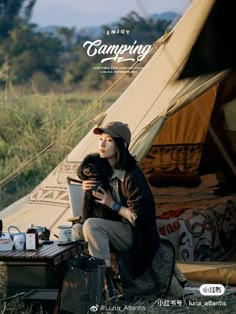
[(87, 159), (80, 173)]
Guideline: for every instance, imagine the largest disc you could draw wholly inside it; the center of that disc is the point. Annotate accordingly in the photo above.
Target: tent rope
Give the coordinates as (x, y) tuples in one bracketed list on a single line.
[(218, 142), (64, 133), (92, 105), (58, 218), (30, 161), (156, 45), (222, 149)]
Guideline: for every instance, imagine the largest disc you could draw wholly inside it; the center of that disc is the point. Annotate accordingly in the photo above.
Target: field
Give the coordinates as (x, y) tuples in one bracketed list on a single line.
[(38, 130), (147, 305)]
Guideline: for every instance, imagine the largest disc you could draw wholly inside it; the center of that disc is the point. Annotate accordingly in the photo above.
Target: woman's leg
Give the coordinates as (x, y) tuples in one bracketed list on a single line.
[(77, 232), (101, 233)]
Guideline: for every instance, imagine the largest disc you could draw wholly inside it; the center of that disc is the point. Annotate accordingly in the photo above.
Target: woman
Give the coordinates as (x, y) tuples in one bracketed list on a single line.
[(131, 200)]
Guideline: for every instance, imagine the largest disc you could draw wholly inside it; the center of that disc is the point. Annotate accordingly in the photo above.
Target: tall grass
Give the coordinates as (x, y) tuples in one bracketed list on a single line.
[(28, 124)]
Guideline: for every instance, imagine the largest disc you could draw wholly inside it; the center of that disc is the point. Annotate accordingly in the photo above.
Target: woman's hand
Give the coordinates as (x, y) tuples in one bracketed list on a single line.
[(88, 184), (103, 197)]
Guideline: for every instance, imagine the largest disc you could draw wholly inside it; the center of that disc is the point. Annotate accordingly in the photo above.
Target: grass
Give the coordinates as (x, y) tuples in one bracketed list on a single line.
[(37, 131), (145, 305), (225, 304)]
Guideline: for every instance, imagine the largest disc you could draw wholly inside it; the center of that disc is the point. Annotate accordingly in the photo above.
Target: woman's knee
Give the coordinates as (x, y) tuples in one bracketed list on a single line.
[(77, 231), (89, 226)]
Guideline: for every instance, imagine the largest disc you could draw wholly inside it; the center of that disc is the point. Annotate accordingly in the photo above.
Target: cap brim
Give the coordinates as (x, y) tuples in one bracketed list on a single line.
[(104, 130), (98, 131)]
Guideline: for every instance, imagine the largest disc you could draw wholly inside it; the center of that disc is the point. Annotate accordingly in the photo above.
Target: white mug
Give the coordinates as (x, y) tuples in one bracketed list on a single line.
[(65, 233), (19, 242)]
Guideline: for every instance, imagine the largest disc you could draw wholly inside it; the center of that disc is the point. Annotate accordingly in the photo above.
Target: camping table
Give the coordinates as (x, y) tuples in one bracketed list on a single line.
[(39, 269)]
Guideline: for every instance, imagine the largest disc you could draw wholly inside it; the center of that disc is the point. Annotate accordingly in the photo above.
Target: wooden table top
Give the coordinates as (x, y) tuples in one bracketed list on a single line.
[(48, 253)]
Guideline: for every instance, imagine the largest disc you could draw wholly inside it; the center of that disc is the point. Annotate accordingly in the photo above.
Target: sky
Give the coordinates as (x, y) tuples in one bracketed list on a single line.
[(83, 13)]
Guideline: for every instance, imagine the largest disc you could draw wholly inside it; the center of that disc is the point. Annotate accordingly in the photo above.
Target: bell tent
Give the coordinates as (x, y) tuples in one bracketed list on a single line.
[(183, 136)]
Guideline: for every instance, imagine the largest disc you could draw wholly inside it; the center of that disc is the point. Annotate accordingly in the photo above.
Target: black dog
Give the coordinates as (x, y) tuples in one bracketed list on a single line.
[(93, 166)]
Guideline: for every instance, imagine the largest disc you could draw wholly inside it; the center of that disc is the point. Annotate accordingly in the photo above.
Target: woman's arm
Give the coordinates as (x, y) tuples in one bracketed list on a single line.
[(104, 197), (127, 214)]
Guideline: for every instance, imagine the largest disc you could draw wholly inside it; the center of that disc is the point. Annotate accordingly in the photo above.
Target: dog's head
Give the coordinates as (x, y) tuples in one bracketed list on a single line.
[(93, 166)]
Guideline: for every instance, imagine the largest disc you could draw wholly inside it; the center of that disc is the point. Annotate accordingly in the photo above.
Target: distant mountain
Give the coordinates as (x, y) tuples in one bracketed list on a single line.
[(50, 29), (94, 32), (90, 31)]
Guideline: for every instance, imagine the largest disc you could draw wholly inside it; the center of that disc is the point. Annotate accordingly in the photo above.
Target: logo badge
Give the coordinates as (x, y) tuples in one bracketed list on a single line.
[(212, 289)]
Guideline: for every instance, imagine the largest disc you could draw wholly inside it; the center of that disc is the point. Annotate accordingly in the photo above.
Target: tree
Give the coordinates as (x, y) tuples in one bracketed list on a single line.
[(145, 31), (26, 52), (11, 11), (67, 35)]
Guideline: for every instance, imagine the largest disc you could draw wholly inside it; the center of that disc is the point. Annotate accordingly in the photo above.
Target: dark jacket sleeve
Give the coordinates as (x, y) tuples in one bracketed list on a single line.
[(139, 198), (140, 201)]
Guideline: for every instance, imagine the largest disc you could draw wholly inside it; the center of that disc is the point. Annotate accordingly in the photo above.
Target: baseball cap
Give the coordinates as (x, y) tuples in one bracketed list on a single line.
[(115, 129)]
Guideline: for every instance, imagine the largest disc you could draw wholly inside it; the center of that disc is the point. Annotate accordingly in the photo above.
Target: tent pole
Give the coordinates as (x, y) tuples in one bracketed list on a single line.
[(219, 144), (222, 149)]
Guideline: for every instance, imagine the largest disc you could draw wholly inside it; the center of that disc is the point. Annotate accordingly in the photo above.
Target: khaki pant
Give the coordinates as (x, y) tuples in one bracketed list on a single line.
[(101, 233)]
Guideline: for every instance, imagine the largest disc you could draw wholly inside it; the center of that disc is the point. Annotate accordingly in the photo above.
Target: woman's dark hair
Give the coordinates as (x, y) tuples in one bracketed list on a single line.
[(124, 159)]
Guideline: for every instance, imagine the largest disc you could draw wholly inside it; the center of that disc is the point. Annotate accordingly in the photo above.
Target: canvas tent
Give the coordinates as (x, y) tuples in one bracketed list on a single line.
[(169, 121)]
